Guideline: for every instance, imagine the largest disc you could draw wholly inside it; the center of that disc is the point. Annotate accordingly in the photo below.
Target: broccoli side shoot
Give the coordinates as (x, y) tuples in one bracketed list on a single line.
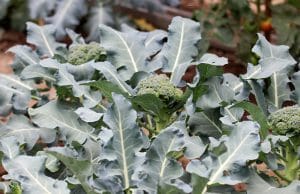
[(286, 121), (82, 53), (160, 86)]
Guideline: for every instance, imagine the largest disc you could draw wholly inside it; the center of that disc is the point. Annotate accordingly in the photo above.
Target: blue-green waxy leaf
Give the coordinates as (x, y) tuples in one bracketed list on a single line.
[(125, 51), (257, 185), (217, 93), (53, 115), (111, 74), (279, 90), (36, 71), (212, 59), (296, 83), (206, 123), (14, 92), (242, 145), (120, 146), (98, 14), (10, 147), (20, 127), (181, 47), (29, 171), (68, 14), (272, 59), (40, 9), (88, 115), (81, 169), (90, 98), (26, 54), (158, 167), (43, 38), (240, 89)]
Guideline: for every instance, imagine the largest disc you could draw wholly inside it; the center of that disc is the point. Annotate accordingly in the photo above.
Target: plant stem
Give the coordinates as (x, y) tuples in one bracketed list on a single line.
[(281, 177)]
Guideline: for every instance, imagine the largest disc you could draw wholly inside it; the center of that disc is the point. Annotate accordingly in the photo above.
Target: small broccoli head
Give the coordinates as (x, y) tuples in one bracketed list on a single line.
[(160, 86), (286, 121), (82, 53)]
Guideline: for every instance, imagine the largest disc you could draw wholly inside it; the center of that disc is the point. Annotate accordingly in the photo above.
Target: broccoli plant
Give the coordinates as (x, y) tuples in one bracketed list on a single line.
[(137, 126)]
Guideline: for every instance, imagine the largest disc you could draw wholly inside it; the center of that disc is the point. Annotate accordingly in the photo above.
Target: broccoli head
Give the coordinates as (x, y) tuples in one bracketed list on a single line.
[(160, 86), (82, 53), (286, 121)]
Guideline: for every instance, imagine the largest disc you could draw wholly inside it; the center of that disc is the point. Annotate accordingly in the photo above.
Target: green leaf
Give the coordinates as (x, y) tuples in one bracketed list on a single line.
[(272, 59), (21, 127), (120, 144), (81, 169), (36, 71), (181, 47), (111, 74), (159, 168), (26, 54), (229, 168), (29, 171), (206, 123), (43, 38), (125, 51), (257, 115), (53, 115), (10, 147), (67, 15), (217, 94)]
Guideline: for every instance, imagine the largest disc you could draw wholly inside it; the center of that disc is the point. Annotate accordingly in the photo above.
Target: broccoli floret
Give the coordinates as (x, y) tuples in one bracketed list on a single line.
[(82, 53), (160, 86), (286, 121)]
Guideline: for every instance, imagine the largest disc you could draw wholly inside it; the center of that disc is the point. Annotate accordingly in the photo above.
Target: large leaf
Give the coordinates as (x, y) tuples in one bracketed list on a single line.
[(43, 38), (29, 171), (272, 59), (181, 47), (10, 147), (120, 144), (125, 51), (229, 168), (258, 185), (54, 115), (158, 167), (68, 14), (111, 74), (20, 127)]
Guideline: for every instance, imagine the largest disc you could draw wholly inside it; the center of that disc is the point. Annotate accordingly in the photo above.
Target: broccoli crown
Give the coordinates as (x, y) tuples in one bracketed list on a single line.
[(82, 53), (286, 121), (160, 86)]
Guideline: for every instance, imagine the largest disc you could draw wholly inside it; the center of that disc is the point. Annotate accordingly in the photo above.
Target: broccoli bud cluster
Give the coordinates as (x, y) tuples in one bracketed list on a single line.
[(286, 121), (82, 53), (160, 86)]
